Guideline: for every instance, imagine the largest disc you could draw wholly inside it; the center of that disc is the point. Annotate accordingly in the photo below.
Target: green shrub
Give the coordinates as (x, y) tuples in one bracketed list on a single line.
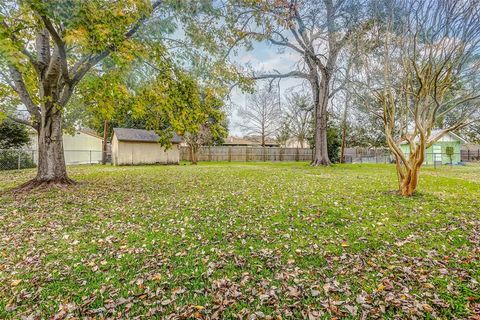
[(13, 135), (9, 160), (334, 142)]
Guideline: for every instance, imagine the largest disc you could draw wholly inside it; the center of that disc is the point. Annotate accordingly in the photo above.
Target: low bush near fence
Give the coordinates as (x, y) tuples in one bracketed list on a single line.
[(15, 159)]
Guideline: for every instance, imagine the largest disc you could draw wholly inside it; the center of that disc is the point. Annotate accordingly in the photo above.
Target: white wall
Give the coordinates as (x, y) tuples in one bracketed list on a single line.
[(79, 148)]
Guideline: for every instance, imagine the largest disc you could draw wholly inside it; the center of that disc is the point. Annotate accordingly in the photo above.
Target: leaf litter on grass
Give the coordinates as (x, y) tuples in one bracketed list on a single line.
[(240, 241)]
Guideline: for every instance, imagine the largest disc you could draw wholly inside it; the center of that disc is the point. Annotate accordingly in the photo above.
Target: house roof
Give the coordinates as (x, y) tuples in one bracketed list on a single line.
[(239, 141), (248, 141), (437, 131), (90, 132), (453, 134), (140, 135), (84, 130)]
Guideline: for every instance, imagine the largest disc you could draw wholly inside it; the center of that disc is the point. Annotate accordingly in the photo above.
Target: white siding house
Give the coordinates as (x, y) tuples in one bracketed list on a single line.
[(136, 146), (82, 147)]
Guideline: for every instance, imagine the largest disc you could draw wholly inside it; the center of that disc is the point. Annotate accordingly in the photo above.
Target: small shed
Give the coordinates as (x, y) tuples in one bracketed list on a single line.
[(437, 153), (137, 146)]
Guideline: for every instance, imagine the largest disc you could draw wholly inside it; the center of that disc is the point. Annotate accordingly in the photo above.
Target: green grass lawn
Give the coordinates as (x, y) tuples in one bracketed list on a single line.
[(252, 241)]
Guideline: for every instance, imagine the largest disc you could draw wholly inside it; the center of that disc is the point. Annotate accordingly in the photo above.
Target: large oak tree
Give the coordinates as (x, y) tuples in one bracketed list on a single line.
[(317, 31), (48, 47)]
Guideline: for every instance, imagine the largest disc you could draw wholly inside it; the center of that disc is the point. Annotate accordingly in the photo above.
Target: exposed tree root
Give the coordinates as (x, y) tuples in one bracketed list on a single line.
[(42, 184), (320, 162)]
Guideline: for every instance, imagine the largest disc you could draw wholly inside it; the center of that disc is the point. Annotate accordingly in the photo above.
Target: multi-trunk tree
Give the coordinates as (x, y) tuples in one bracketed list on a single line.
[(426, 70)]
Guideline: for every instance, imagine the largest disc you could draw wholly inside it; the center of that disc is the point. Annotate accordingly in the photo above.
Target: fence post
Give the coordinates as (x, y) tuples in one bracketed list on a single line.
[(90, 156), (229, 154), (19, 166)]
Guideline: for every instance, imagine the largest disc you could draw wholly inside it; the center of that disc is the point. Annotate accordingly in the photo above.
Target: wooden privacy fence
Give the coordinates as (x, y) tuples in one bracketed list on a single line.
[(245, 154), (470, 155)]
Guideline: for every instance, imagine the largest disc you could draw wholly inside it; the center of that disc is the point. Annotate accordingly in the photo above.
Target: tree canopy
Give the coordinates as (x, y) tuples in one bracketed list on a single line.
[(122, 50)]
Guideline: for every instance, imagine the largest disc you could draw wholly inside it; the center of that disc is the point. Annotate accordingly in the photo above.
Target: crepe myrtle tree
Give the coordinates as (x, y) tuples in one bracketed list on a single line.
[(428, 70)]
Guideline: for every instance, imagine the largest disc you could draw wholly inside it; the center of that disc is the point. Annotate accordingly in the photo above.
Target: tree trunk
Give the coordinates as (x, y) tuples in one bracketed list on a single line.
[(193, 155), (104, 142), (51, 168), (344, 130), (344, 143), (409, 183), (409, 179), (321, 102)]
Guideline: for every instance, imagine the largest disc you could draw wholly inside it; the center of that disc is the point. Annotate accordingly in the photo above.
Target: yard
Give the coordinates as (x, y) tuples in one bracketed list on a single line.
[(242, 240)]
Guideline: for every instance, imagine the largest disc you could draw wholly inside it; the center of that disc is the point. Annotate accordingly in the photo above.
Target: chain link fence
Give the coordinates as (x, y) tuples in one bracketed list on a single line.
[(17, 159), (11, 159), (431, 158)]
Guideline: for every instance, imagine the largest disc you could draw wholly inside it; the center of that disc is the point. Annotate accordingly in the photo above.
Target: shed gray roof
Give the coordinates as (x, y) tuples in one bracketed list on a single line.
[(140, 135)]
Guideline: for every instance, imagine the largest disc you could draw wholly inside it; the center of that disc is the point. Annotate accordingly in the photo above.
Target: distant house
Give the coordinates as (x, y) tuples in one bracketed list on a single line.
[(295, 143), (437, 153), (83, 146), (252, 141), (137, 146)]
